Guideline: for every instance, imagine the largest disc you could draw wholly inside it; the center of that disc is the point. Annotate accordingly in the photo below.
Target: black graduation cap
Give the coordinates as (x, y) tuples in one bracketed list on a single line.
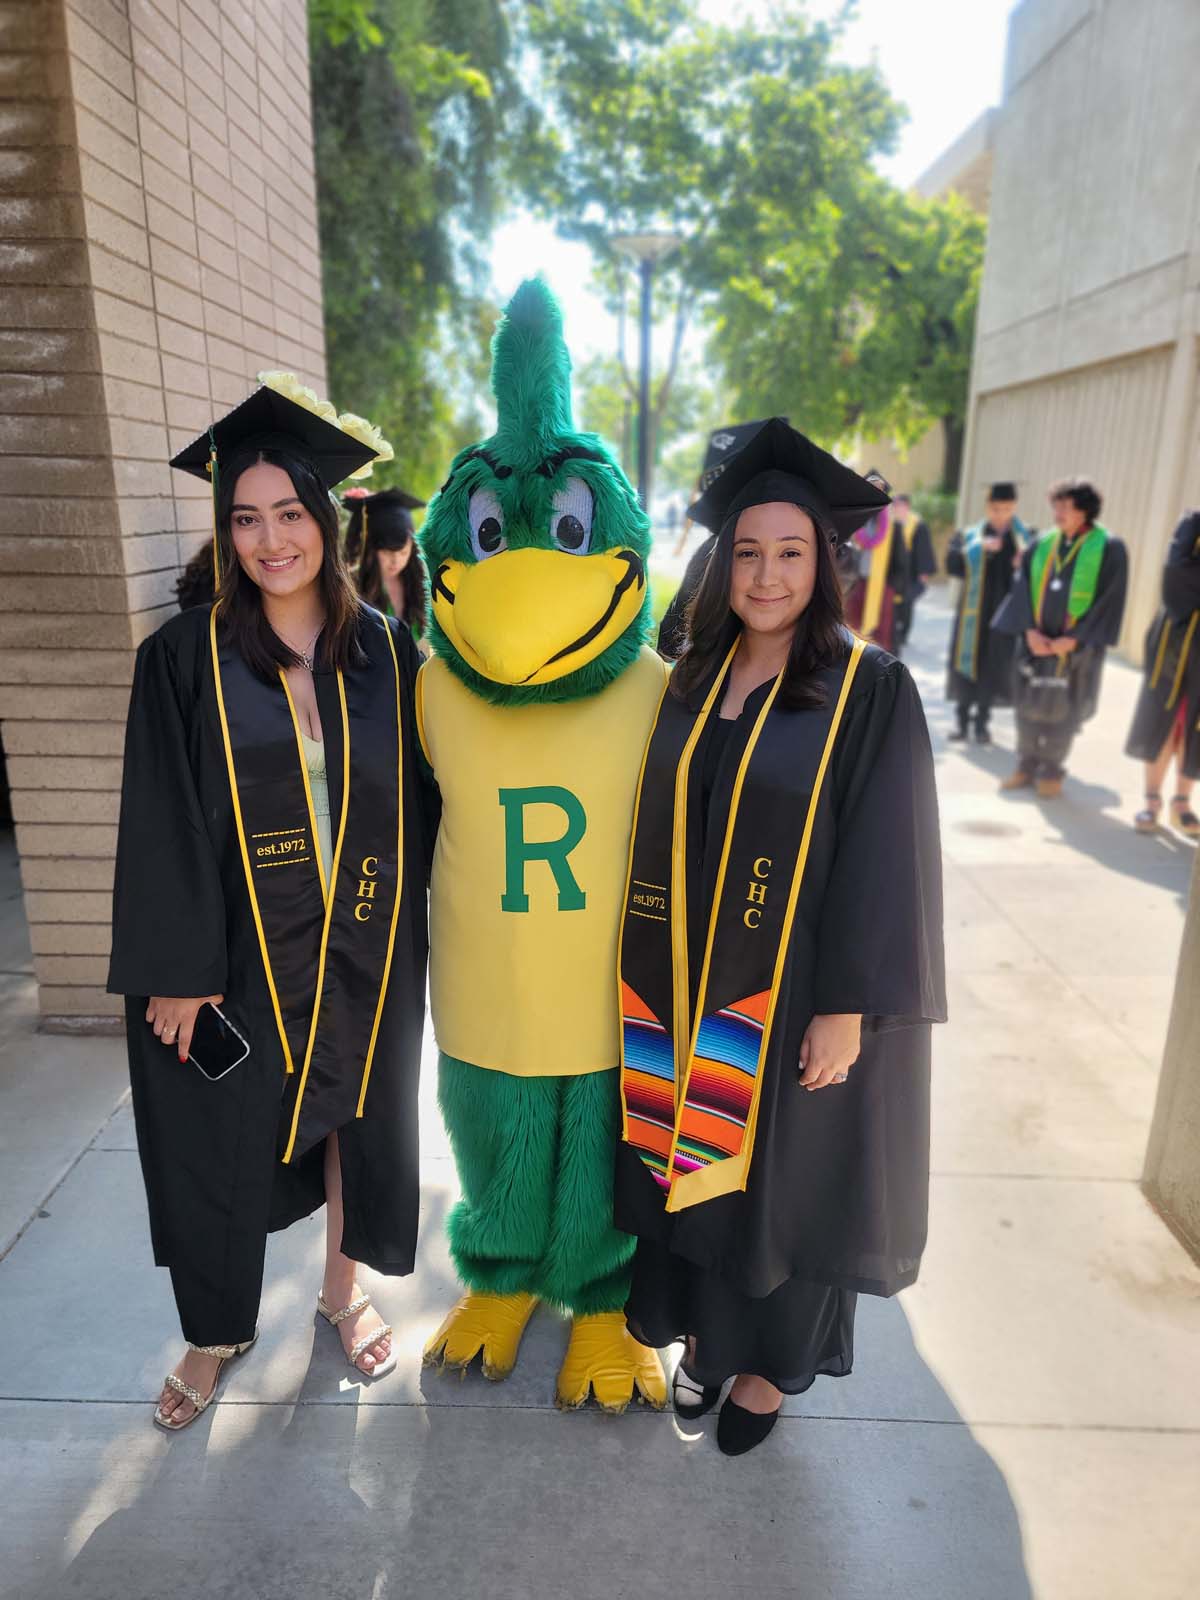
[(1004, 489), (723, 444), (388, 515), (780, 463), (269, 420)]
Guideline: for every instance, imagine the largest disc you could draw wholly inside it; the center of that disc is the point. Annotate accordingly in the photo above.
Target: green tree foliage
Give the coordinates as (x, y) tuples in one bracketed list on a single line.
[(877, 339), (408, 100), (604, 405), (827, 294)]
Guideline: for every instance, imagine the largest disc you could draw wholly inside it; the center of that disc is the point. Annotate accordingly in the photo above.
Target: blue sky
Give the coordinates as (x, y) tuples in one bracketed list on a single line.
[(944, 59)]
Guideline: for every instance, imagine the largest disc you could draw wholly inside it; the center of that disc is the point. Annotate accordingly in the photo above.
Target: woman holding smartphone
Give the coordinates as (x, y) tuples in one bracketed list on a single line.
[(269, 926)]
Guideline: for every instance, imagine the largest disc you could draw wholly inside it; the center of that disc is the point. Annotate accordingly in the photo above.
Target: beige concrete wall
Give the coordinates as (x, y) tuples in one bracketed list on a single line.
[(158, 245), (1172, 1175), (1086, 342)]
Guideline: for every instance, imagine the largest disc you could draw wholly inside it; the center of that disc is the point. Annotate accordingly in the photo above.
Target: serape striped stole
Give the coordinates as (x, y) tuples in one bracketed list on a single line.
[(692, 1078)]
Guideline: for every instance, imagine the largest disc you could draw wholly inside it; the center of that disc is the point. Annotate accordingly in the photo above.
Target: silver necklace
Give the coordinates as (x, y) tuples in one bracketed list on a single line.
[(306, 656)]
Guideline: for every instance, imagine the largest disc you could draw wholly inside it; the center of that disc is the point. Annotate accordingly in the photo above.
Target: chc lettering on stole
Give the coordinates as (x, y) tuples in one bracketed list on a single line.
[(367, 885), (756, 892)]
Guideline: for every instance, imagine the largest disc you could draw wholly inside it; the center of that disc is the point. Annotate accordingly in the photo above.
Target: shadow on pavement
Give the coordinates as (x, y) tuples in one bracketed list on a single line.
[(380, 1500)]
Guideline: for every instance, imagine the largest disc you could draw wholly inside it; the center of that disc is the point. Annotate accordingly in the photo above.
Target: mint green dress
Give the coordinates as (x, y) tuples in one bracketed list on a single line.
[(314, 760)]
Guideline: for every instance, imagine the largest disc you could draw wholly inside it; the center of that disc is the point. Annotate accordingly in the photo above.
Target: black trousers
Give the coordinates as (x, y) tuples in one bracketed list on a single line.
[(981, 702)]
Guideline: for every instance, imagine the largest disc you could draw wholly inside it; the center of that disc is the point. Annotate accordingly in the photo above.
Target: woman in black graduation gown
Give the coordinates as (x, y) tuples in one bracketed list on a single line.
[(1064, 609), (272, 859), (984, 556), (781, 959), (381, 547), (1166, 721)]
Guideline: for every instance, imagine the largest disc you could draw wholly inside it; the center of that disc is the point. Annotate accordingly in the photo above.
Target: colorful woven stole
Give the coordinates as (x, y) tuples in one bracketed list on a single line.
[(326, 946), (691, 1083), (1084, 561)]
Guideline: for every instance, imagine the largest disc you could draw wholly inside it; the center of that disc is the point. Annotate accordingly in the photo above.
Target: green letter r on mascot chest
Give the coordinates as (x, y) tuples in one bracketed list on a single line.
[(534, 713)]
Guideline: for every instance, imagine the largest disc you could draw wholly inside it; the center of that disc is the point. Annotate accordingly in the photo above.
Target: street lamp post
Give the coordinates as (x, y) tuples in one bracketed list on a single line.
[(646, 249)]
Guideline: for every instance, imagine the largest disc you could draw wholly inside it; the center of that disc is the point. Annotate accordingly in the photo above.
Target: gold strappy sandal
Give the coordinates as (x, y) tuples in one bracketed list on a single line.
[(368, 1339), (225, 1352)]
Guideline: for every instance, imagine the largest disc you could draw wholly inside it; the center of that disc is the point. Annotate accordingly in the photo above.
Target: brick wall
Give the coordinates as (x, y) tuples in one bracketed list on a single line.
[(158, 246)]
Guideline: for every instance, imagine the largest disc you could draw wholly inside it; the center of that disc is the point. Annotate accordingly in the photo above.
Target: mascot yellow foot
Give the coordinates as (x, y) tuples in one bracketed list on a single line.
[(486, 1325), (603, 1357)]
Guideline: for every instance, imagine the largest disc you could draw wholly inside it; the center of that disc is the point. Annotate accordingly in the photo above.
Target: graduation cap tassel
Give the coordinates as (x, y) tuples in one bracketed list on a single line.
[(212, 473)]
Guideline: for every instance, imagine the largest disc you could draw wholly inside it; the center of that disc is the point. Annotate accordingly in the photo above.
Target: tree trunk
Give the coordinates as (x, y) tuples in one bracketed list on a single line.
[(956, 432)]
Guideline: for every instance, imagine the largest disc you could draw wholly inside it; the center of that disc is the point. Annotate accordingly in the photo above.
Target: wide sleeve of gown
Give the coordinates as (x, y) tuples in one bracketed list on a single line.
[(1181, 575), (168, 906), (880, 935), (1014, 615), (1101, 624)]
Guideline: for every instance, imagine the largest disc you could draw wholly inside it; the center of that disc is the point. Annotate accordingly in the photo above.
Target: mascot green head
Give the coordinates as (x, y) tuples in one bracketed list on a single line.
[(536, 543)]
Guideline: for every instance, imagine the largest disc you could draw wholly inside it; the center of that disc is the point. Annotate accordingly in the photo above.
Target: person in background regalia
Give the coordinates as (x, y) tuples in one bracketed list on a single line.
[(272, 863), (781, 959), (195, 584), (381, 547), (1166, 722), (1065, 609), (985, 557), (914, 563)]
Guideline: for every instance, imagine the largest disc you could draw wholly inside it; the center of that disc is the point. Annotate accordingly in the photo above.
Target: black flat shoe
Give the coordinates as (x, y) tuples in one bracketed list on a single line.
[(739, 1430), (957, 735), (691, 1399)]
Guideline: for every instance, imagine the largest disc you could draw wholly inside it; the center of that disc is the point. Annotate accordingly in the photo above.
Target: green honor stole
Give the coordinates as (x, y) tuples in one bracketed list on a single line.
[(966, 656), (1048, 564), (326, 944), (692, 1074)]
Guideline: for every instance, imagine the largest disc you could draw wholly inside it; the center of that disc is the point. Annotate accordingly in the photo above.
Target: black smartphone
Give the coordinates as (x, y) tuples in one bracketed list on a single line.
[(217, 1047)]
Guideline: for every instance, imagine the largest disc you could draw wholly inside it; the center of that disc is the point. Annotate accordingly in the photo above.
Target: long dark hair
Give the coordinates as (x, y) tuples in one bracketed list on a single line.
[(239, 600), (819, 640), (373, 591)]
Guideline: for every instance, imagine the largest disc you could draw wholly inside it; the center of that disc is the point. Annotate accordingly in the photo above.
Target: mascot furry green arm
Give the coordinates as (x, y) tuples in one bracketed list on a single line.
[(534, 714)]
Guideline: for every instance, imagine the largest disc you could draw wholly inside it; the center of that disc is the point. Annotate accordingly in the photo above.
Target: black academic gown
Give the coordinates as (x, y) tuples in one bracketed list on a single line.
[(1171, 681), (672, 631), (1096, 632), (992, 683), (182, 926), (911, 566), (838, 1188)]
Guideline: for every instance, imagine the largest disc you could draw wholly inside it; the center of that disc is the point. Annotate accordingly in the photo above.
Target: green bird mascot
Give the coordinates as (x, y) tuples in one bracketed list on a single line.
[(534, 714)]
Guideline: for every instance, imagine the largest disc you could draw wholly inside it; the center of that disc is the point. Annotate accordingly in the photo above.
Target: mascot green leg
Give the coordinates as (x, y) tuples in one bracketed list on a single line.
[(535, 1161)]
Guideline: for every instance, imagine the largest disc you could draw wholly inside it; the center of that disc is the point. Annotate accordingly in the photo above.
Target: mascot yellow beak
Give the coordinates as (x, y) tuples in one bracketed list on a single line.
[(529, 616)]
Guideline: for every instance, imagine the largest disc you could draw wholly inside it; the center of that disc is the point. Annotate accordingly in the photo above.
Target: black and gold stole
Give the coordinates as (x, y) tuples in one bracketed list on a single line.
[(326, 946), (691, 1083)]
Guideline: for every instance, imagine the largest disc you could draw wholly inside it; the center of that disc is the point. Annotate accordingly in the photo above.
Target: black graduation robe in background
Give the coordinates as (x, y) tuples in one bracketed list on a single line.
[(1096, 631), (182, 926), (1171, 671), (838, 1185), (911, 565), (992, 683), (672, 630)]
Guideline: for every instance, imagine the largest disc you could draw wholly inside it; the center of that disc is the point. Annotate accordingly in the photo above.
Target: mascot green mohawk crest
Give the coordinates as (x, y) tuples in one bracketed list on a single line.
[(536, 543), (534, 714)]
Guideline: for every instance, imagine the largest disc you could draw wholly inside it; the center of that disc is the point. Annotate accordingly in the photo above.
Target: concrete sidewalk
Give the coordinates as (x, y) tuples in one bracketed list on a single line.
[(1024, 1422)]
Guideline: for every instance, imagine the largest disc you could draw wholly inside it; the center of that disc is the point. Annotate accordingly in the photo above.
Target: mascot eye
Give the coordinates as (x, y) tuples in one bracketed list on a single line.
[(486, 516), (571, 520)]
